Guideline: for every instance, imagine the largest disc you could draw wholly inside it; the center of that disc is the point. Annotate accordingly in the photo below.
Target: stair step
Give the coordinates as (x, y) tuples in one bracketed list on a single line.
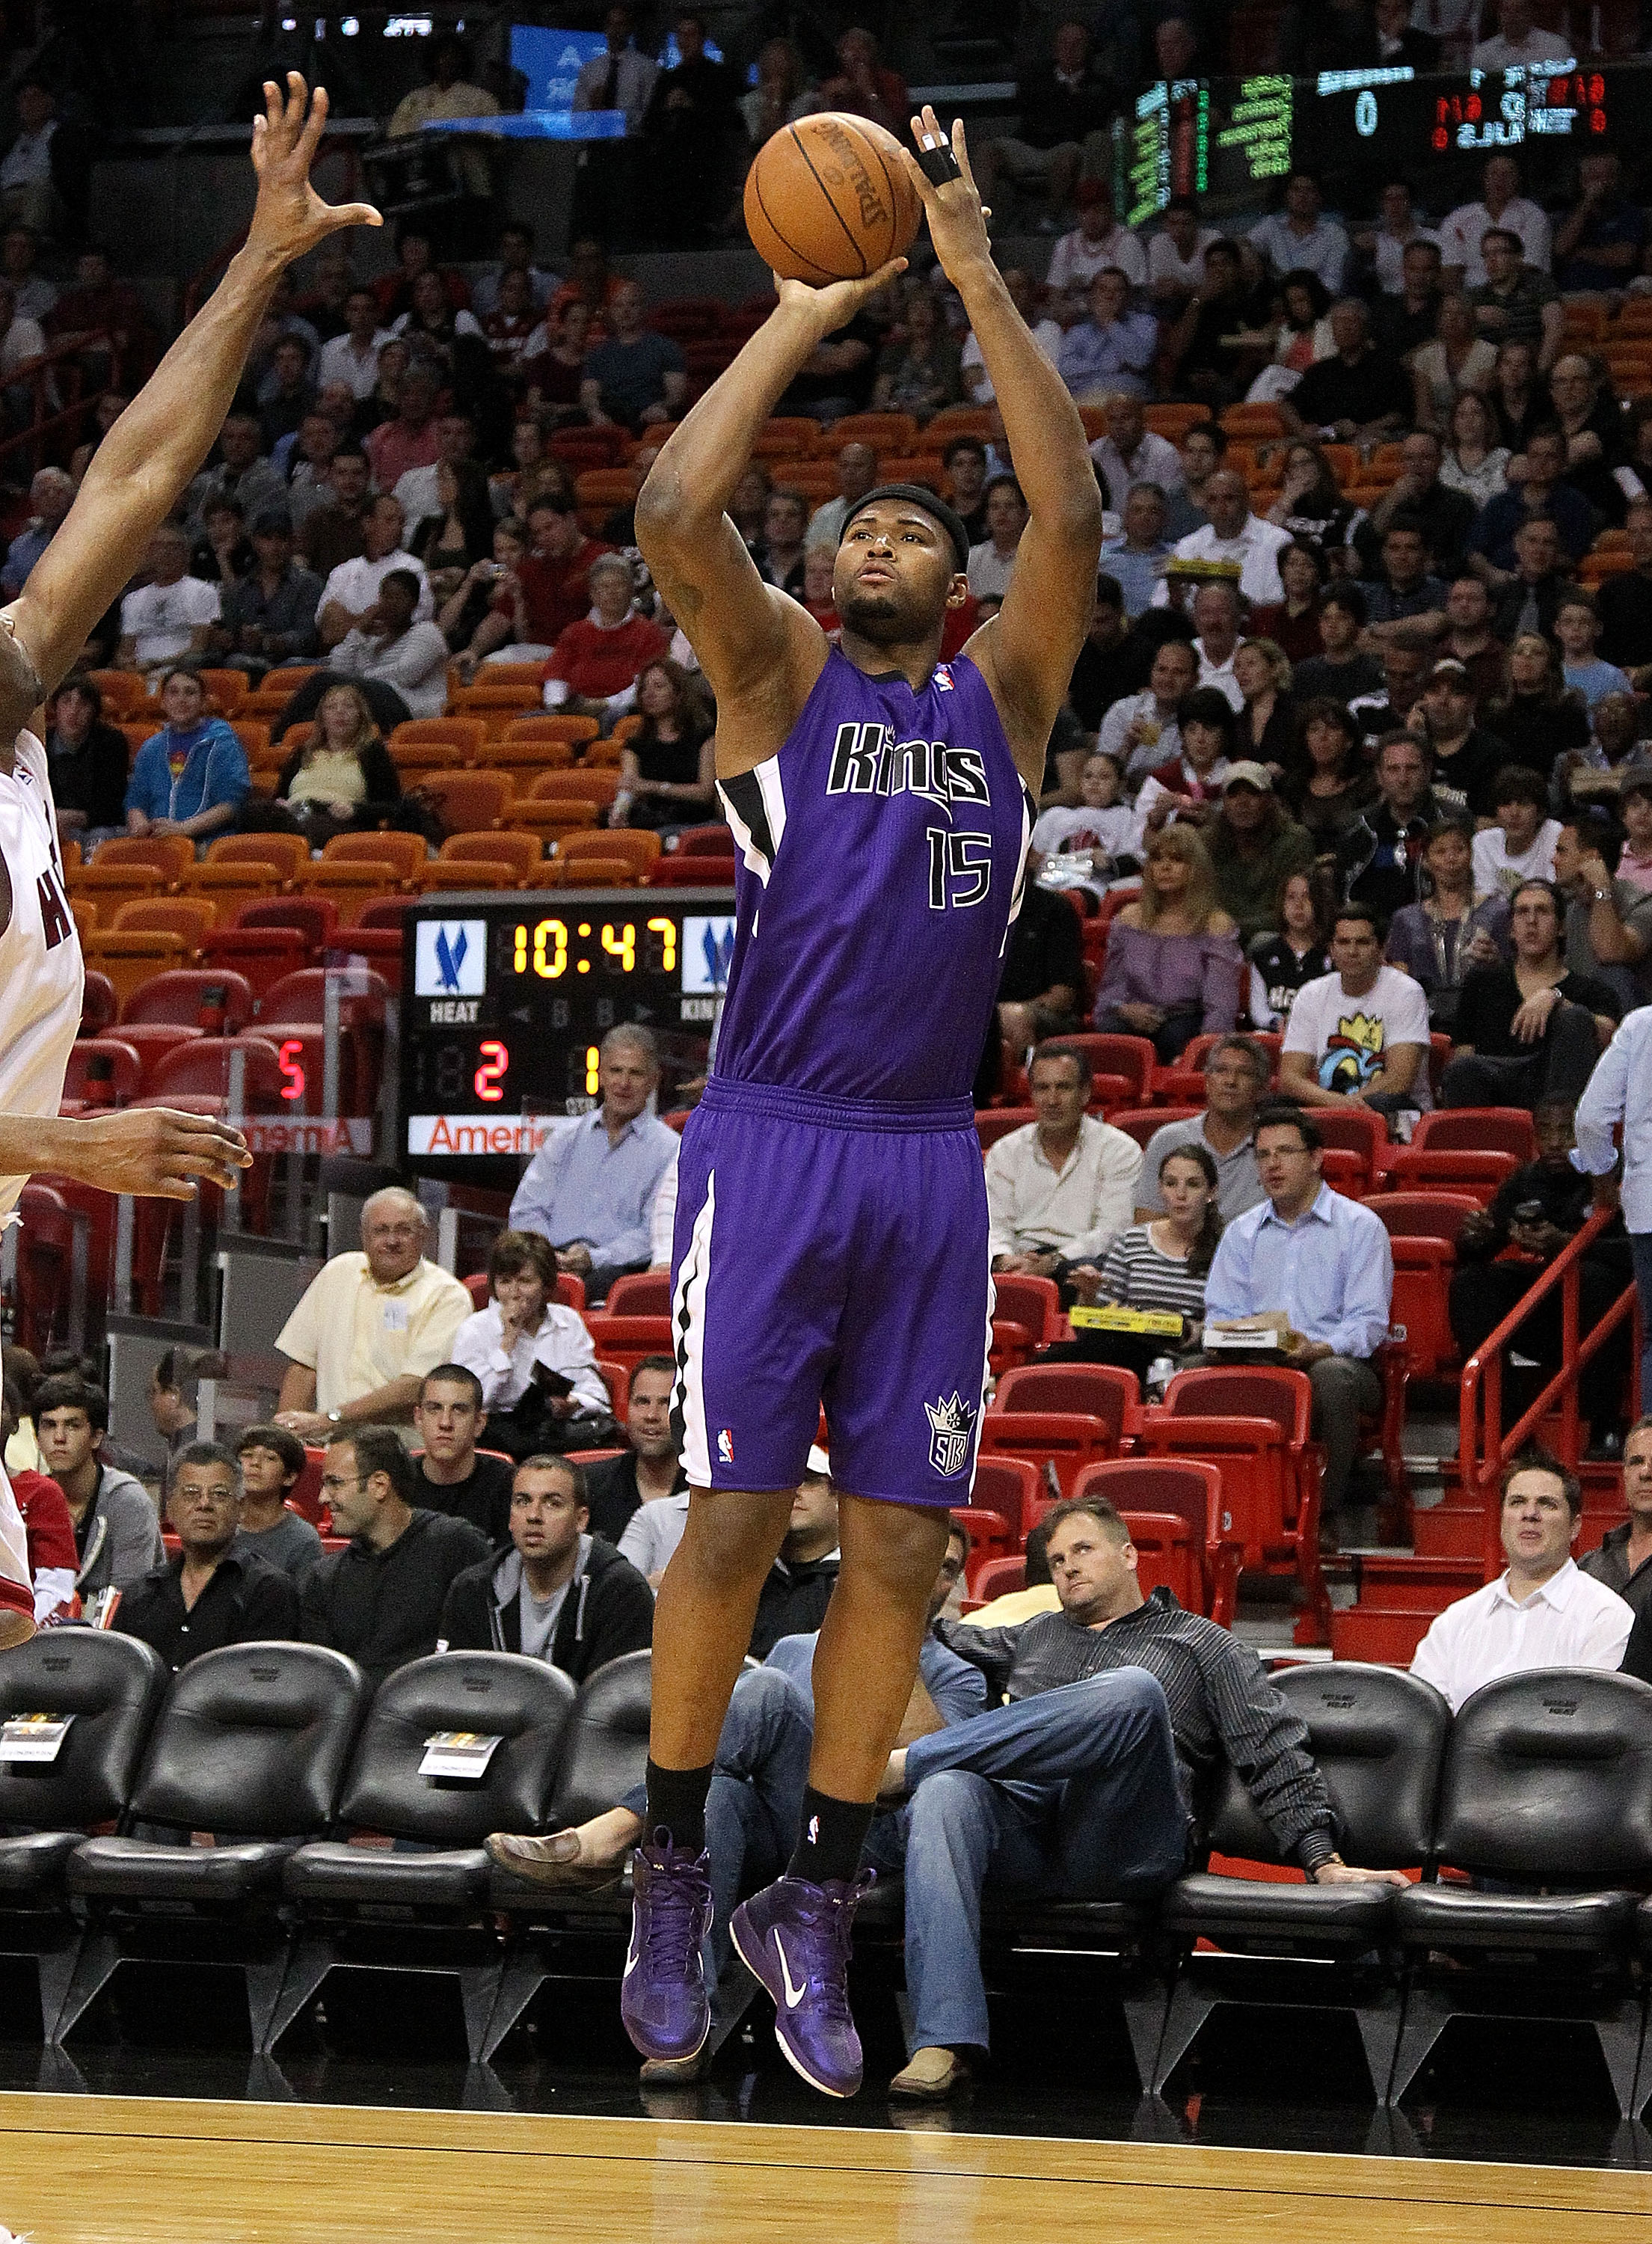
[(1414, 1582), (1387, 1635)]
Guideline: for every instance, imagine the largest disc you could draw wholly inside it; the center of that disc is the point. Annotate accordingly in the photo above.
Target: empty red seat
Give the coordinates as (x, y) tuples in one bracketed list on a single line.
[(1103, 1390), (641, 1294), (261, 954), (1059, 1444), (1033, 1301), (626, 1340), (216, 1001)]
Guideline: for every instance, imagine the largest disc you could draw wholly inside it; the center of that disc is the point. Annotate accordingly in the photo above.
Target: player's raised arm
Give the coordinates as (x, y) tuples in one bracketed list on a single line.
[(144, 465), (1027, 652), (754, 643)]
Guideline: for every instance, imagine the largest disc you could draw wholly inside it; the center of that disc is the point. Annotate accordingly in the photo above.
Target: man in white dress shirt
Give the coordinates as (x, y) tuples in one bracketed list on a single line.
[(1519, 42), (1465, 228), (1620, 1091), (1233, 533), (1061, 1189), (1543, 1612)]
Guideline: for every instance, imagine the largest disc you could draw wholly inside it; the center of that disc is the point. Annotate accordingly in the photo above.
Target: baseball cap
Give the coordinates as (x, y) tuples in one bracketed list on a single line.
[(819, 1464), (1448, 667), (1246, 774), (1636, 779)]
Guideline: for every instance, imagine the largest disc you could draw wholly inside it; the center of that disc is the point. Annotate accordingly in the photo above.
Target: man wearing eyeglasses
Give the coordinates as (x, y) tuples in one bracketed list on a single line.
[(380, 1599)]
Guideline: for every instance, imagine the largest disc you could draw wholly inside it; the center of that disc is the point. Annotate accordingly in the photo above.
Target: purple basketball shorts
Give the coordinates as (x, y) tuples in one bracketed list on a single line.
[(827, 1253)]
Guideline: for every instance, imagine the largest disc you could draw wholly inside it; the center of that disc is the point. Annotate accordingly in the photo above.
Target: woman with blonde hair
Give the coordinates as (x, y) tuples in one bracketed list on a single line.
[(1174, 966), (341, 780), (1268, 720)]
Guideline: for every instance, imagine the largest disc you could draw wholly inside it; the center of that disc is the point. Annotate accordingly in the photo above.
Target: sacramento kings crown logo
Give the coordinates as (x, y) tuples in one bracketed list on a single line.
[(952, 1422)]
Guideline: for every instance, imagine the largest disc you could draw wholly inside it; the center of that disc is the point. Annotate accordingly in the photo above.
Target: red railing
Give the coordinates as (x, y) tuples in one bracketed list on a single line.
[(1482, 1455), (50, 417)]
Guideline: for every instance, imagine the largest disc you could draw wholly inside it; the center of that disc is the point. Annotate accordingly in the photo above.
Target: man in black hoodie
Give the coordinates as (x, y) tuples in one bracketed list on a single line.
[(559, 1594), (381, 1599)]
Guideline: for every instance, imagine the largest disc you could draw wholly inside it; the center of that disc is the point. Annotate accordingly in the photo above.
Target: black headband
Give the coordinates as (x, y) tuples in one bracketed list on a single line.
[(919, 495)]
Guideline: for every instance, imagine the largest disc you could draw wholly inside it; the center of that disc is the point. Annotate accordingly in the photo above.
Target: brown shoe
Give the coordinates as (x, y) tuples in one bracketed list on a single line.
[(675, 2072), (553, 1862), (930, 2076)]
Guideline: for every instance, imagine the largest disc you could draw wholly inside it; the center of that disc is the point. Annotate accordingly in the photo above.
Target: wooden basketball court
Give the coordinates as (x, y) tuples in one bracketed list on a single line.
[(129, 2169)]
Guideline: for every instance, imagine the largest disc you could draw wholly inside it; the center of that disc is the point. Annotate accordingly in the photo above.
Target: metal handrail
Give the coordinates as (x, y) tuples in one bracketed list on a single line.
[(36, 372), (1481, 1465)]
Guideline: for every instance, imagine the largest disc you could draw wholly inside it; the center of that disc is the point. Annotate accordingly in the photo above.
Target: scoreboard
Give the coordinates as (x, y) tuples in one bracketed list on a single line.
[(1229, 138), (510, 997)]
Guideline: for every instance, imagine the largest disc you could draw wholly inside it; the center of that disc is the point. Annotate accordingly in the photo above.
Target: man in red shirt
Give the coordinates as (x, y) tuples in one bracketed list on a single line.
[(409, 441), (546, 592), (599, 659)]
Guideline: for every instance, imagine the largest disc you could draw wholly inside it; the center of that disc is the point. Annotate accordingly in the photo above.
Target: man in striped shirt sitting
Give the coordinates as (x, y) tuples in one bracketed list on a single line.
[(1082, 1786)]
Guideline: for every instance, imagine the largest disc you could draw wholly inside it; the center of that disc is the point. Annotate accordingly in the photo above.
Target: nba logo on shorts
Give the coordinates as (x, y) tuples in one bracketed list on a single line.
[(951, 1423), (725, 1446)]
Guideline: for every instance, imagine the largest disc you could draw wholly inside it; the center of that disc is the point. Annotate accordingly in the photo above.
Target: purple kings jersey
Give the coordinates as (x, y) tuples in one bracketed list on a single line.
[(882, 849)]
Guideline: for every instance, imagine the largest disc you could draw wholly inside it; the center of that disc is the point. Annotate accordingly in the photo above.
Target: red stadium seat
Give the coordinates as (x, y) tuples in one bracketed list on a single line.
[(1059, 1444), (1254, 1423), (1100, 1390), (993, 1123), (1033, 1301), (315, 917), (1477, 1129), (103, 1071), (1141, 1122), (98, 1004), (196, 997), (263, 955), (641, 1294), (627, 1340)]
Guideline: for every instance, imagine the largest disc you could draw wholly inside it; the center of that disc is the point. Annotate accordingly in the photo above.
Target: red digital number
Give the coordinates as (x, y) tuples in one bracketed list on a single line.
[(495, 1059), (1440, 137), (1473, 109), (294, 1087), (1597, 120)]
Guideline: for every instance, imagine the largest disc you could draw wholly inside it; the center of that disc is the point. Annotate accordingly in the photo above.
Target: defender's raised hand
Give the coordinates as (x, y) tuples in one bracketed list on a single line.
[(290, 217), (956, 215)]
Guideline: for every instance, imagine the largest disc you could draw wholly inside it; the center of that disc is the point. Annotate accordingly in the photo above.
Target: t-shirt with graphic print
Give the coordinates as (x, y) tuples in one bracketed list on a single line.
[(1347, 1037)]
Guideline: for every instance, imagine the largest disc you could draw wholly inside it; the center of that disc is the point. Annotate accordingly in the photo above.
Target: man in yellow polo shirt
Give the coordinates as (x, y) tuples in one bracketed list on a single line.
[(369, 1326)]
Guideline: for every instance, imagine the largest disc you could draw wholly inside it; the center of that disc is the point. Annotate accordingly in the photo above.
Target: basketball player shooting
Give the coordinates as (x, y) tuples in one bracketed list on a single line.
[(831, 1241), (136, 475)]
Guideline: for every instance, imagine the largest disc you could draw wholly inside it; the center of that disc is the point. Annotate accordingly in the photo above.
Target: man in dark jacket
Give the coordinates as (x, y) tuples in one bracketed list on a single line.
[(559, 1594), (1379, 858), (381, 1599), (212, 1593)]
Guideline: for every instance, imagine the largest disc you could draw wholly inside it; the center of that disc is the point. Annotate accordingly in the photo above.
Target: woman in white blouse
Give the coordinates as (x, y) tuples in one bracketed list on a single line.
[(523, 1327), (1474, 459)]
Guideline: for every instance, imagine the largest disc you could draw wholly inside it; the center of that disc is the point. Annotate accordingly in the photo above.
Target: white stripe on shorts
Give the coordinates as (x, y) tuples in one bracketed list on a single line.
[(986, 1373), (688, 1321)]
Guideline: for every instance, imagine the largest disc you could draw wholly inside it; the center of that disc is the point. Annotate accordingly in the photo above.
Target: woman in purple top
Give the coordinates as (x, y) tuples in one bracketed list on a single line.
[(1174, 965)]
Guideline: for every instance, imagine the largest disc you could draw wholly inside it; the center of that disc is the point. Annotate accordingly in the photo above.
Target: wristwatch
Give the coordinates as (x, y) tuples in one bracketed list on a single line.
[(335, 1417), (1602, 896)]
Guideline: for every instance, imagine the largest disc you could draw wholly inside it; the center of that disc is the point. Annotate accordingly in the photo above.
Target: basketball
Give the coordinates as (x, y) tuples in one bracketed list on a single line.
[(828, 198)]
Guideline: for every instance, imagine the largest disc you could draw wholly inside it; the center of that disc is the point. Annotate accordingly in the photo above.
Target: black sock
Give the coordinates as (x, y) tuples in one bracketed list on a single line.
[(833, 1832), (677, 1804)]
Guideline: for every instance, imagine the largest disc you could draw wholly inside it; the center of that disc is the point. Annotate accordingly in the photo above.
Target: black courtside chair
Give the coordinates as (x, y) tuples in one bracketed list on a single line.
[(249, 1747), (424, 1907), (604, 1754), (1546, 1797), (1379, 1738), (110, 1687)]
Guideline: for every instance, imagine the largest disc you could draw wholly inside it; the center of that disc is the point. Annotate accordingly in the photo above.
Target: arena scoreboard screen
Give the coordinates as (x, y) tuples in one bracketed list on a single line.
[(1231, 138), (509, 998)]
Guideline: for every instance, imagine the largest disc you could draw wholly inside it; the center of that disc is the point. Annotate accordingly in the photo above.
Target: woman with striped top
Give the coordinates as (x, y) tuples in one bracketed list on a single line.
[(1161, 1265)]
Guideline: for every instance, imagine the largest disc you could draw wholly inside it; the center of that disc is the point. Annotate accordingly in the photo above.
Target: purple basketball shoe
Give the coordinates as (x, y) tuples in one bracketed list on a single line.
[(795, 1937), (662, 1998)]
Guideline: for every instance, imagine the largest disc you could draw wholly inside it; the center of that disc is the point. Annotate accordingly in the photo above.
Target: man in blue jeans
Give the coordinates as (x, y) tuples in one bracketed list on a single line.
[(752, 1811), (1082, 1787)]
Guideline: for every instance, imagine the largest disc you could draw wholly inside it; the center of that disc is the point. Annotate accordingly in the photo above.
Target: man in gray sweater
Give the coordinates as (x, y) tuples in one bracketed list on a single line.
[(117, 1533)]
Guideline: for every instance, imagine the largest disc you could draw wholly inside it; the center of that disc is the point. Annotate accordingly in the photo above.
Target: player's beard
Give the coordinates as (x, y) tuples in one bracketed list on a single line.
[(882, 619)]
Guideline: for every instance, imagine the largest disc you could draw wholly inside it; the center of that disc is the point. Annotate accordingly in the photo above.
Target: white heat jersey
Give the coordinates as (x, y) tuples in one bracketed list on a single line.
[(41, 973), (41, 976)]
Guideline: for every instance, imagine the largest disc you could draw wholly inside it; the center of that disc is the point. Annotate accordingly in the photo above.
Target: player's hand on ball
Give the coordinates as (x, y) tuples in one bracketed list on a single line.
[(956, 214), (835, 304), (159, 1152)]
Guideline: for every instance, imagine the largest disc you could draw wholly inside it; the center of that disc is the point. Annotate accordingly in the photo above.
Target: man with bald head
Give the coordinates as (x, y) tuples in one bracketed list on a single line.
[(370, 1325), (1233, 533), (857, 473)]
